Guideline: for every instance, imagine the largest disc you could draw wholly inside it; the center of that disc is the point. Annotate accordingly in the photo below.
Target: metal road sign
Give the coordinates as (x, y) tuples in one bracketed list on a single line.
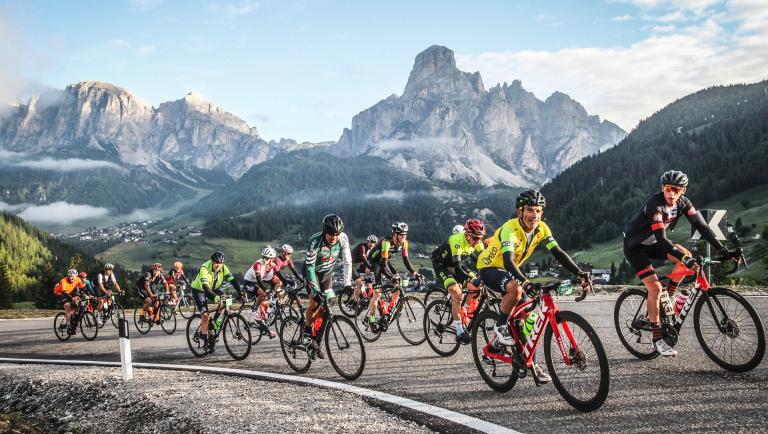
[(716, 220)]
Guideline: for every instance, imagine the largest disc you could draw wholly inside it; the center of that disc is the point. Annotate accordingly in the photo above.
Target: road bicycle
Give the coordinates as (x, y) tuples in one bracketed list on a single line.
[(438, 320), (185, 305), (407, 312), (224, 322), (80, 317), (726, 325), (277, 311), (162, 313), (346, 298), (581, 376), (112, 310), (343, 342)]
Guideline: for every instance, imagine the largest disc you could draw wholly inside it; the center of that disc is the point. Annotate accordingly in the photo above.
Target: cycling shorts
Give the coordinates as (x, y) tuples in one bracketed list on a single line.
[(142, 293), (495, 279), (639, 257), (447, 276)]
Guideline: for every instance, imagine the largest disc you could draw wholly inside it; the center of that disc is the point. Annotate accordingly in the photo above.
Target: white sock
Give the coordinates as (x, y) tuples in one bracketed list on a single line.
[(459, 327)]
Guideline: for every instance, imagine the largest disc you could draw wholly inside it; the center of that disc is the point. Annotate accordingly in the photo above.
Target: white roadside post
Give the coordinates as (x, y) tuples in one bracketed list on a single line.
[(125, 350)]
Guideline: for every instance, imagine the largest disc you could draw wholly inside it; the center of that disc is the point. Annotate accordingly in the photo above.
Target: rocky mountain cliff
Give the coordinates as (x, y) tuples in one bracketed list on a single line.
[(99, 120), (447, 127)]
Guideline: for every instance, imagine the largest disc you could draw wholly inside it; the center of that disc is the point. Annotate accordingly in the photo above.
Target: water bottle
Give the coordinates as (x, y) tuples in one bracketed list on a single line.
[(316, 325), (217, 322), (528, 326), (680, 302), (666, 303)]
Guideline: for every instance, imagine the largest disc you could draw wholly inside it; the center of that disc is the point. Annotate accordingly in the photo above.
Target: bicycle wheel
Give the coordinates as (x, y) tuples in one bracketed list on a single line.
[(117, 313), (284, 312), (584, 381), (100, 320), (168, 317), (369, 332), (89, 327), (345, 348), (410, 320), (347, 305), (729, 330), (499, 375), (434, 293), (630, 316), (441, 336), (194, 338), (142, 324), (60, 327), (294, 350), (186, 306), (237, 337)]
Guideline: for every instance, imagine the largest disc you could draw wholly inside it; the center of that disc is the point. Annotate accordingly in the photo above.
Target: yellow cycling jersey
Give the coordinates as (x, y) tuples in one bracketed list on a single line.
[(511, 237)]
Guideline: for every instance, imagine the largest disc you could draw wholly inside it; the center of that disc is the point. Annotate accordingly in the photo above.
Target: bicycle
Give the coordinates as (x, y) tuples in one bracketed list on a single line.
[(80, 316), (237, 334), (277, 311), (343, 343), (185, 305), (721, 320), (578, 343), (438, 320), (408, 313), (347, 304), (112, 310), (163, 314)]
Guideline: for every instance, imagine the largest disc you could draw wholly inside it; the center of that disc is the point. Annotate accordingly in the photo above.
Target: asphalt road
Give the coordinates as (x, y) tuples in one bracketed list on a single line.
[(688, 393)]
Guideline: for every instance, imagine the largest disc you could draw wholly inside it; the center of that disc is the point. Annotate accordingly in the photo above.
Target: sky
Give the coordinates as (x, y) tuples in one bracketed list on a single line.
[(302, 69)]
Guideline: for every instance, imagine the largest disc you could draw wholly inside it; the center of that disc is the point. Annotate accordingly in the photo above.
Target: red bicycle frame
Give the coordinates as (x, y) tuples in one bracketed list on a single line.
[(702, 284), (549, 311)]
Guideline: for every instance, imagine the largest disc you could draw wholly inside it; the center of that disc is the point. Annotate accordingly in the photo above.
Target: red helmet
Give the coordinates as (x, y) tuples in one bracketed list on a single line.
[(474, 228), (157, 266), (83, 275)]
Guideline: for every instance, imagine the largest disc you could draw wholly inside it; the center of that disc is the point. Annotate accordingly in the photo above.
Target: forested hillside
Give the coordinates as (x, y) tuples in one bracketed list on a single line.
[(718, 136)]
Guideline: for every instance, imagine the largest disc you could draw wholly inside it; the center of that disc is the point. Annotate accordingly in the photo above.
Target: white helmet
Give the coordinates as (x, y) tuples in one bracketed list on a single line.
[(458, 229), (286, 248), (373, 238), (72, 272), (268, 253)]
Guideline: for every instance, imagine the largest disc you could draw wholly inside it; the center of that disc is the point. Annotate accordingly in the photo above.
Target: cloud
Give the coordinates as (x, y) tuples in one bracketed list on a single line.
[(386, 195), (67, 165), (10, 155), (4, 206), (663, 29), (625, 17), (57, 212), (118, 43), (626, 84), (146, 50)]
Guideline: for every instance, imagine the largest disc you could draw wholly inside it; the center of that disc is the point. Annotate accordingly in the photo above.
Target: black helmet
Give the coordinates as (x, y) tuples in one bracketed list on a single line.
[(332, 224), (399, 228), (217, 257), (674, 177), (530, 197)]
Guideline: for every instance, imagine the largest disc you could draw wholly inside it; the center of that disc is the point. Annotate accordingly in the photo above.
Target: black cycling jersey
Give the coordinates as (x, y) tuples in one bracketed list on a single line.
[(360, 253)]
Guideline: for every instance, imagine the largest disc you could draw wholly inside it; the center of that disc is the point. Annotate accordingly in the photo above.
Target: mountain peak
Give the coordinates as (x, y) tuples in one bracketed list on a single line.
[(435, 70)]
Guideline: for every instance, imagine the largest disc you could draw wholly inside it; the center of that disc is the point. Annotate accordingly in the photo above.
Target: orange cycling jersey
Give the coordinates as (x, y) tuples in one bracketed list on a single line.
[(68, 288)]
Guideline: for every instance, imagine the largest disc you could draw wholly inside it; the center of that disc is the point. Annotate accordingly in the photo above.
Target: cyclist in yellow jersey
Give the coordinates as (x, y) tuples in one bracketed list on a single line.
[(510, 246)]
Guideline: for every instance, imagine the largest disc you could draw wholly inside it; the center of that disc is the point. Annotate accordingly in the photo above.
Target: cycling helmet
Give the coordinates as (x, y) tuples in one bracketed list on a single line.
[(474, 227), (399, 228), (332, 224), (157, 266), (178, 264), (268, 253), (72, 272), (82, 275), (674, 177), (458, 229), (530, 198), (286, 248), (217, 257), (108, 266), (373, 239)]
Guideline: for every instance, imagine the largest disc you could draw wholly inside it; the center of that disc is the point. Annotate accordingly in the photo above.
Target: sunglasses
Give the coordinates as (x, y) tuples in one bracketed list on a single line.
[(672, 189)]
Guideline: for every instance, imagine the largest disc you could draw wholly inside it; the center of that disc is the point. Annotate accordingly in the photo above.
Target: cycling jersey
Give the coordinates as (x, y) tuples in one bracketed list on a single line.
[(360, 253), (321, 257), (281, 262), (382, 252), (146, 281), (173, 277), (68, 288), (511, 237), (448, 257), (212, 279), (106, 282), (259, 273), (89, 288)]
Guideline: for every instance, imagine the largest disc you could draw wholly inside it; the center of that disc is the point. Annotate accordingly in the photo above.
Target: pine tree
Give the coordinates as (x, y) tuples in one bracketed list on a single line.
[(6, 290)]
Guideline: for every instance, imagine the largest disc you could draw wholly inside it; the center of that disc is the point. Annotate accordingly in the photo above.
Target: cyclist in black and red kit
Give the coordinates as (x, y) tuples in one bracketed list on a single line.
[(360, 264), (645, 238)]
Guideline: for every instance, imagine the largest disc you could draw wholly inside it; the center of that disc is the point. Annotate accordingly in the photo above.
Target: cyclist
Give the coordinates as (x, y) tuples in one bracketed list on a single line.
[(173, 278), (261, 273), (322, 254), (447, 261), (283, 260), (105, 281), (380, 256), (207, 286), (144, 285), (360, 264), (509, 247), (91, 291), (645, 239), (66, 291)]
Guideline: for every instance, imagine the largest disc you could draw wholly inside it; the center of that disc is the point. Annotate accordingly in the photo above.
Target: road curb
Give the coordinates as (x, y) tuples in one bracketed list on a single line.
[(430, 411)]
